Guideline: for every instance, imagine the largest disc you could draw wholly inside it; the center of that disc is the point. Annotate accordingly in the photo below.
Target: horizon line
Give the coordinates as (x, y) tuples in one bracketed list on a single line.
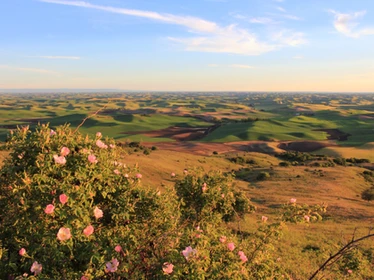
[(3, 90)]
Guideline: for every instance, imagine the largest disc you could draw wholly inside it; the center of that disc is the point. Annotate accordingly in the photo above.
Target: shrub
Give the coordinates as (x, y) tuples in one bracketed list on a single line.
[(297, 213), (263, 176), (296, 156), (209, 196), (134, 144), (358, 160), (368, 194), (67, 183), (70, 209), (238, 160), (340, 161)]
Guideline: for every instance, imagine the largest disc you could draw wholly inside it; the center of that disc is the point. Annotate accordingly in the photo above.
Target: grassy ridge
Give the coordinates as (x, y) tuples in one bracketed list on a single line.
[(268, 116)]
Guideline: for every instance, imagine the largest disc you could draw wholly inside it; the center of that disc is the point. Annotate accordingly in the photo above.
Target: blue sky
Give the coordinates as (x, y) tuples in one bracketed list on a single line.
[(236, 45)]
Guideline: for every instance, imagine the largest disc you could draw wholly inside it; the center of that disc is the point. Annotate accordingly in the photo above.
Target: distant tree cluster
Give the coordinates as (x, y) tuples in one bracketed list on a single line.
[(136, 146), (241, 160), (344, 161)]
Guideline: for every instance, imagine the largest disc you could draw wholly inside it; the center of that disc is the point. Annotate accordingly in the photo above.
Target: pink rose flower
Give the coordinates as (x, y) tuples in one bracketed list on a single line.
[(63, 198), (88, 230), (116, 171), (52, 132), (222, 239), (101, 144), (126, 175), (188, 252), (307, 218), (199, 229), (22, 252), (98, 213), (264, 219), (36, 268), (118, 248), (92, 159), (84, 277), (112, 266), (185, 171), (49, 209), (85, 151), (172, 174), (242, 256), (231, 246), (59, 160), (223, 195), (112, 146), (293, 200), (139, 176), (63, 234), (64, 151), (98, 134), (167, 268), (204, 188)]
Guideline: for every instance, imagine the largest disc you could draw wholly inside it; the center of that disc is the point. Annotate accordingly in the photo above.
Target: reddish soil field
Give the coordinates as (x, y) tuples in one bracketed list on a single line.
[(183, 136), (366, 117), (178, 133), (199, 148)]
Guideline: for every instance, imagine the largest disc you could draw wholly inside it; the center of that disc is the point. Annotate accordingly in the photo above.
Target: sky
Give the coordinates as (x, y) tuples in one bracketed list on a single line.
[(194, 45)]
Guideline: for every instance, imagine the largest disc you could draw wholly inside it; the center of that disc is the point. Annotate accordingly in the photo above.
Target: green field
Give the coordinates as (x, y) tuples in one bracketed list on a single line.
[(259, 121), (241, 117)]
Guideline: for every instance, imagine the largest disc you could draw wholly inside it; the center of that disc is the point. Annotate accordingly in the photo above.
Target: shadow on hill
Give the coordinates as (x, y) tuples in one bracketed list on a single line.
[(303, 146), (123, 118)]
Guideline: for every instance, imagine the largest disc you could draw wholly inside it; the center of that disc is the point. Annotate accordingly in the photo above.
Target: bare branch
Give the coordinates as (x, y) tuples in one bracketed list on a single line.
[(88, 117), (340, 253)]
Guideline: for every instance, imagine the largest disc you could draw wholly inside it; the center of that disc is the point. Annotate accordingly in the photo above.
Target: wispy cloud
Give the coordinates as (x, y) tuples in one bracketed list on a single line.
[(290, 38), (347, 24), (243, 66), (262, 20), (257, 20), (298, 57), (193, 23), (58, 57), (285, 15), (280, 9), (25, 69), (211, 36)]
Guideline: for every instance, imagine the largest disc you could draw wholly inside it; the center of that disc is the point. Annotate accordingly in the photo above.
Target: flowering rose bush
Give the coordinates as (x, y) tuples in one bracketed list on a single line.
[(297, 213), (210, 196), (70, 210)]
